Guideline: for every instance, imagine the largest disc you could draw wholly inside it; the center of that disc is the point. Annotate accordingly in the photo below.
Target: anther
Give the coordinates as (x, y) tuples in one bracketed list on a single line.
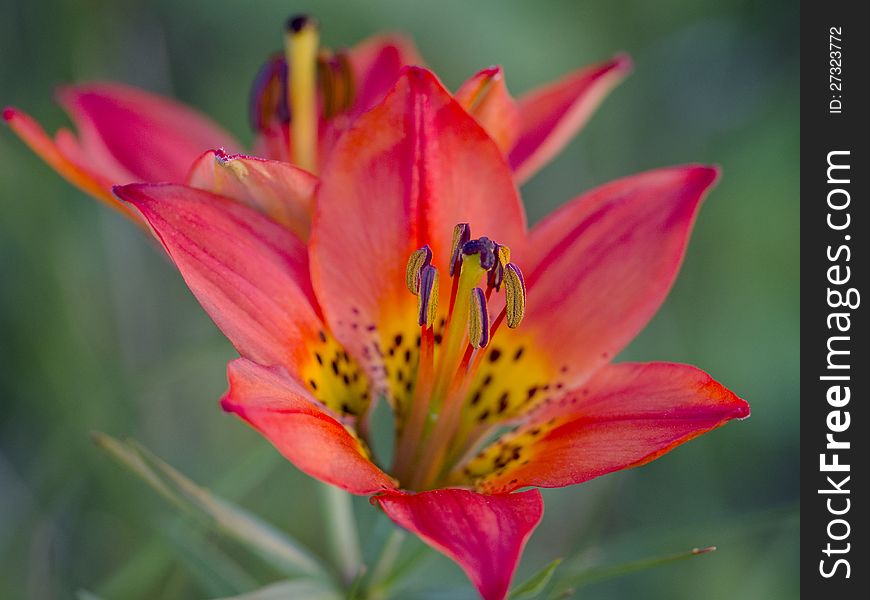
[(515, 295), (419, 259), (478, 319), (427, 300), (335, 77), (496, 275), (461, 235), (268, 99)]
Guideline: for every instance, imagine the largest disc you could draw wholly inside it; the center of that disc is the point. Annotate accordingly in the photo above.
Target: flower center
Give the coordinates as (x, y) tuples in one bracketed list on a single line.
[(478, 267)]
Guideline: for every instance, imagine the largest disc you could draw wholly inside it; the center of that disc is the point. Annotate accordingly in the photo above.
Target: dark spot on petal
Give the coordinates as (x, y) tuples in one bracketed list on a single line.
[(334, 366), (319, 358), (483, 416), (407, 356), (494, 355), (313, 384), (487, 380), (475, 398), (398, 339), (322, 335), (437, 338), (519, 353), (503, 403)]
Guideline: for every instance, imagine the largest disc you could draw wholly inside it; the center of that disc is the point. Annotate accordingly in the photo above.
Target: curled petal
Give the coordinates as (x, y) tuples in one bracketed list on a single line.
[(285, 414), (146, 136), (627, 415), (87, 178), (277, 189), (486, 98), (551, 115), (485, 534)]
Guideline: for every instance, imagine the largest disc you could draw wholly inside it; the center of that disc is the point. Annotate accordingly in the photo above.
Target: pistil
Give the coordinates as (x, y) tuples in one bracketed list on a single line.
[(300, 47)]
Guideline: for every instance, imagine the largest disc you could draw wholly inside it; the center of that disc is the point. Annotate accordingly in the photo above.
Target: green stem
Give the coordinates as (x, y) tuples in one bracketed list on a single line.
[(385, 564), (594, 575), (343, 535)]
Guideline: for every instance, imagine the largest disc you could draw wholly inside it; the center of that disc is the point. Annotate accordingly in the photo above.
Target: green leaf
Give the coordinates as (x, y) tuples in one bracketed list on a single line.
[(216, 573), (299, 589), (150, 562), (271, 544), (593, 575), (535, 584), (86, 595)]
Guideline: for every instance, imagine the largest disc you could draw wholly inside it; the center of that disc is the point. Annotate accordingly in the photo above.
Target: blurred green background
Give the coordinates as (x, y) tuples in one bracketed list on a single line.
[(97, 331)]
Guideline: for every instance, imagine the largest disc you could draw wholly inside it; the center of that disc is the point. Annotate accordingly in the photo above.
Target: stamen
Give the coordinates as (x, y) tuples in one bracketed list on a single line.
[(461, 235), (301, 42), (503, 257), (336, 82), (418, 259), (515, 295), (478, 320), (433, 429), (427, 300), (268, 100)]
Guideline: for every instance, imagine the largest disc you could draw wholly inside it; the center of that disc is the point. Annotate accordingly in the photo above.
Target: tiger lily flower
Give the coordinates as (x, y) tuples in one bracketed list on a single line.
[(128, 135), (494, 352)]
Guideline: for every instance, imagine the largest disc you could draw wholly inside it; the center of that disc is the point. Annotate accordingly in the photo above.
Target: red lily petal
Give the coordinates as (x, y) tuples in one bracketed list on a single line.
[(67, 164), (150, 137), (376, 63), (599, 267), (485, 96), (552, 114), (249, 273), (278, 189), (401, 177), (627, 415), (485, 534), (285, 413)]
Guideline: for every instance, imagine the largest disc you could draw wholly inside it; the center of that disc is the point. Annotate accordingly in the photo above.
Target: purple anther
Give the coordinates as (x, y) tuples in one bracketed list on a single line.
[(478, 320), (268, 99), (461, 235), (427, 303)]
